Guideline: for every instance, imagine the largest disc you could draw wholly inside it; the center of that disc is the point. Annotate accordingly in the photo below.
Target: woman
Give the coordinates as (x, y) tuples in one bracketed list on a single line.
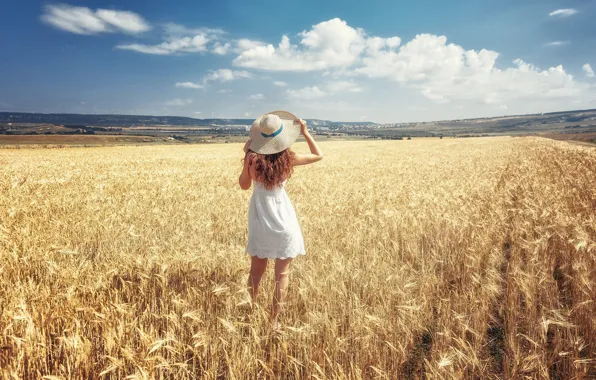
[(273, 229)]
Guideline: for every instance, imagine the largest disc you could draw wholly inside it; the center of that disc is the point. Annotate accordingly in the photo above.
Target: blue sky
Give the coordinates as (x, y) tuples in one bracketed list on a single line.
[(384, 61)]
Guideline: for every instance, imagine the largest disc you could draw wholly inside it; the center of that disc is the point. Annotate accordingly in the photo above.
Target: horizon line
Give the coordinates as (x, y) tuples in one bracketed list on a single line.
[(353, 122)]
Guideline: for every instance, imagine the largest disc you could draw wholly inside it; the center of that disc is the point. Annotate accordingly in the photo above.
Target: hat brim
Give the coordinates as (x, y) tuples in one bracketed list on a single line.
[(282, 141)]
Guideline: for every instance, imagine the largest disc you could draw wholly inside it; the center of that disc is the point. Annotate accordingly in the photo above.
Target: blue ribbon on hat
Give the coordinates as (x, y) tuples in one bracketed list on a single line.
[(274, 133)]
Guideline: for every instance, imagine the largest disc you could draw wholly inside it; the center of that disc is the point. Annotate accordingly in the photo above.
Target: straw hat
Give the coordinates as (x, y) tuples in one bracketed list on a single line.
[(273, 132)]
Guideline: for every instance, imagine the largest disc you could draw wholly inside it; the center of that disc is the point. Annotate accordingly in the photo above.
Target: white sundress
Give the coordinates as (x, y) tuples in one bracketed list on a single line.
[(273, 228)]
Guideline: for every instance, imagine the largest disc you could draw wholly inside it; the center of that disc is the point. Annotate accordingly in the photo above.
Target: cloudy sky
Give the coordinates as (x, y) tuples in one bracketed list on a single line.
[(383, 61)]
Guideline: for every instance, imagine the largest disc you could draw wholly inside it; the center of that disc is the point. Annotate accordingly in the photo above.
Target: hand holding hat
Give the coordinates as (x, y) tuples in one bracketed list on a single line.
[(302, 123)]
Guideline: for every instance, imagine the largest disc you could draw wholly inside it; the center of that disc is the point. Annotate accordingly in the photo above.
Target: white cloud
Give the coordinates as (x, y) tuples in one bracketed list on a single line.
[(330, 43), (444, 72), (220, 75), (429, 94), (588, 70), (306, 93), (177, 30), (126, 21), (146, 49), (82, 20), (178, 102), (257, 97), (224, 91), (326, 89), (221, 48), (280, 83), (198, 112), (556, 43), (246, 44), (179, 39), (377, 43), (173, 45), (563, 12), (425, 56), (226, 75), (437, 70), (189, 85)]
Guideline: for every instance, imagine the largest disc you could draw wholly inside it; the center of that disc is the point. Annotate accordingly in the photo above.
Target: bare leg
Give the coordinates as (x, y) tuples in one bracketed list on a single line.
[(282, 268), (257, 268)]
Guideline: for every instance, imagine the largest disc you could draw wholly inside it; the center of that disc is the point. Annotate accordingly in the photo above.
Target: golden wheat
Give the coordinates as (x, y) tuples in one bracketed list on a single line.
[(453, 258)]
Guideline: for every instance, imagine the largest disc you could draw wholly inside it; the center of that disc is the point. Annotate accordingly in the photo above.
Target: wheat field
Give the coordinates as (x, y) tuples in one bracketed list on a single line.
[(453, 258)]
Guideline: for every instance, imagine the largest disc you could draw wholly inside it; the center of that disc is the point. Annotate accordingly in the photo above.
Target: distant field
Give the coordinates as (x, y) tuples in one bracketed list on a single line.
[(75, 139), (576, 125), (578, 137), (454, 258), (105, 139)]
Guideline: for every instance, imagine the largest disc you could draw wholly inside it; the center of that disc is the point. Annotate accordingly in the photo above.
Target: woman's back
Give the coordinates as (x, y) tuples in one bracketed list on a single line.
[(260, 187)]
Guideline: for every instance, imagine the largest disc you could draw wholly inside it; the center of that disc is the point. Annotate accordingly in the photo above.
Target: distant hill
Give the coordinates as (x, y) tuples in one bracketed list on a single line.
[(113, 120), (567, 121), (132, 120)]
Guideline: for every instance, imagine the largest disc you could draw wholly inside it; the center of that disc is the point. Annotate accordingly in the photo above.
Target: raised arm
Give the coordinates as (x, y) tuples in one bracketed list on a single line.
[(244, 180), (315, 152)]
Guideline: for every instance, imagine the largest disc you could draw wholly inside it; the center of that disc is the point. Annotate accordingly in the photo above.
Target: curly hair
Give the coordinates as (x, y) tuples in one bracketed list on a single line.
[(273, 169)]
